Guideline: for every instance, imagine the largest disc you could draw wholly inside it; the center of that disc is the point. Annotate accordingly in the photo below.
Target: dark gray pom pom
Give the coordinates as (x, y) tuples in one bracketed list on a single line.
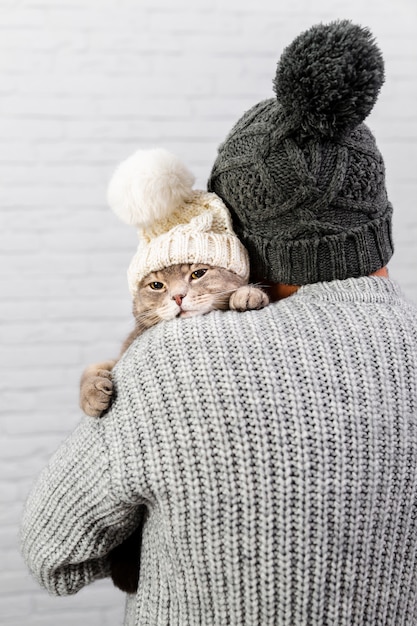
[(328, 79)]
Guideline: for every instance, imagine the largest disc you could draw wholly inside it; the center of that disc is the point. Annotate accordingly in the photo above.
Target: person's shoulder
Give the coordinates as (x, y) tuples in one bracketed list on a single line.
[(180, 336)]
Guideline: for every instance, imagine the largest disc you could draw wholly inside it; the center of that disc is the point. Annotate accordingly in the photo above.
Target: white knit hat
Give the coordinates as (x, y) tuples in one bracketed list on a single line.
[(152, 190)]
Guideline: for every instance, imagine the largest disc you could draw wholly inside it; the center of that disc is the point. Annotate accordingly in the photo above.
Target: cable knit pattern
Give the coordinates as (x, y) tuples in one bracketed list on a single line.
[(276, 454), (301, 174)]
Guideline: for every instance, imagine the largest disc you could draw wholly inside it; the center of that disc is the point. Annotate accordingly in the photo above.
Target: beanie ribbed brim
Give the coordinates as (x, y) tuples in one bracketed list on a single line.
[(357, 252)]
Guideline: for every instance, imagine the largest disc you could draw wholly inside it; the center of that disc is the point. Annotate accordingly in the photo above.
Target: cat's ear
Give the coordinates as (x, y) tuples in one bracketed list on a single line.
[(148, 186)]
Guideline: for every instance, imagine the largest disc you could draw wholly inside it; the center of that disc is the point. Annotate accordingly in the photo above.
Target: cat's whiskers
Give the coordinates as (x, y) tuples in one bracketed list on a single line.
[(216, 296), (146, 319), (260, 285), (145, 314), (214, 293)]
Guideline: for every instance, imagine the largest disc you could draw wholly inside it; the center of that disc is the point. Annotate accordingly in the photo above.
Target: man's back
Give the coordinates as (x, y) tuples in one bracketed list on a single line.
[(276, 452)]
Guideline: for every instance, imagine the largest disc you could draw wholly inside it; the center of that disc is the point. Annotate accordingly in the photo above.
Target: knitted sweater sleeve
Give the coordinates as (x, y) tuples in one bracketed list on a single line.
[(71, 520)]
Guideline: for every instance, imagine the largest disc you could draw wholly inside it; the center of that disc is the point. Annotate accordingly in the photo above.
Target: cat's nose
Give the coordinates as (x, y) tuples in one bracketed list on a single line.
[(178, 299)]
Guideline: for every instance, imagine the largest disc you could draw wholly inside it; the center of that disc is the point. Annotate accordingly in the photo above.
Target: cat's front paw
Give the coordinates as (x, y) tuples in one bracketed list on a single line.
[(248, 297), (96, 391)]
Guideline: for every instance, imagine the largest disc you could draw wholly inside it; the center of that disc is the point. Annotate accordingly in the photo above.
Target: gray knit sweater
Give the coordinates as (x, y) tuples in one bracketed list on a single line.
[(276, 454)]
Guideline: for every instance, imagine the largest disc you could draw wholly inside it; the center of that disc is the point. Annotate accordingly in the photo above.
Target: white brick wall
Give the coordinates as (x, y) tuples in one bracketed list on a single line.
[(83, 83)]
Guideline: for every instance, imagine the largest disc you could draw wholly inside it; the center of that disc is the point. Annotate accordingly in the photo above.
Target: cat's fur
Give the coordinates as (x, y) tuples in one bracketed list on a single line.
[(181, 296), (182, 290)]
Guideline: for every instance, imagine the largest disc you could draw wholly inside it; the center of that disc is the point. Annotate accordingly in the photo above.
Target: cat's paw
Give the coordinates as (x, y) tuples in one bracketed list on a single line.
[(96, 390), (248, 297)]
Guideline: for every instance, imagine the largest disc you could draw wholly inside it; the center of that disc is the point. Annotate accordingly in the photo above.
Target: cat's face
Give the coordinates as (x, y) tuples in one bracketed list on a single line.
[(183, 291)]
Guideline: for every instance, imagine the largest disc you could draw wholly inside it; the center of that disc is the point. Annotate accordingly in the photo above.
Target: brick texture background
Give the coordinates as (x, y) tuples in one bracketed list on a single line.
[(83, 83)]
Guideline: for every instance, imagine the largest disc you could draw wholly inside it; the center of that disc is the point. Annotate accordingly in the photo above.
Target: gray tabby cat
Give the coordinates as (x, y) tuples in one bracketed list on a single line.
[(183, 290)]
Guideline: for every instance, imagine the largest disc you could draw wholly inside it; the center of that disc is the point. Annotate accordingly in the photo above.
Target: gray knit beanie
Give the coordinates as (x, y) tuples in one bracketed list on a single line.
[(301, 174)]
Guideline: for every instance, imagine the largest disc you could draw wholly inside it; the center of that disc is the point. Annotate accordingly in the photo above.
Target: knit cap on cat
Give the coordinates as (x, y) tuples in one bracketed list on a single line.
[(301, 174), (152, 190)]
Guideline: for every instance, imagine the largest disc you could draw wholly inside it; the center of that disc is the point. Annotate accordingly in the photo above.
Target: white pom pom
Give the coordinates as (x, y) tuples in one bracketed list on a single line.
[(148, 186)]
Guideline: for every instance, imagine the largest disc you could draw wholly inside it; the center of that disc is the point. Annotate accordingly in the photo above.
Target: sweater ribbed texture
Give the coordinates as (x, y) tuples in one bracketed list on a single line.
[(276, 454)]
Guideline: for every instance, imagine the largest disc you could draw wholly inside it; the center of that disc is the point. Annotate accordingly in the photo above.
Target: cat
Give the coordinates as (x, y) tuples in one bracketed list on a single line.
[(184, 290)]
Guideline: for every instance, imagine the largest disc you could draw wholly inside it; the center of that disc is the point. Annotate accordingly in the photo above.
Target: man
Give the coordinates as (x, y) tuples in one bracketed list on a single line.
[(275, 450)]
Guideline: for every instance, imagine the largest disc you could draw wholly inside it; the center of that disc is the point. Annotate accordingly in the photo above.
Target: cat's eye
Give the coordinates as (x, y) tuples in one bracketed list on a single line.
[(198, 274), (156, 285)]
